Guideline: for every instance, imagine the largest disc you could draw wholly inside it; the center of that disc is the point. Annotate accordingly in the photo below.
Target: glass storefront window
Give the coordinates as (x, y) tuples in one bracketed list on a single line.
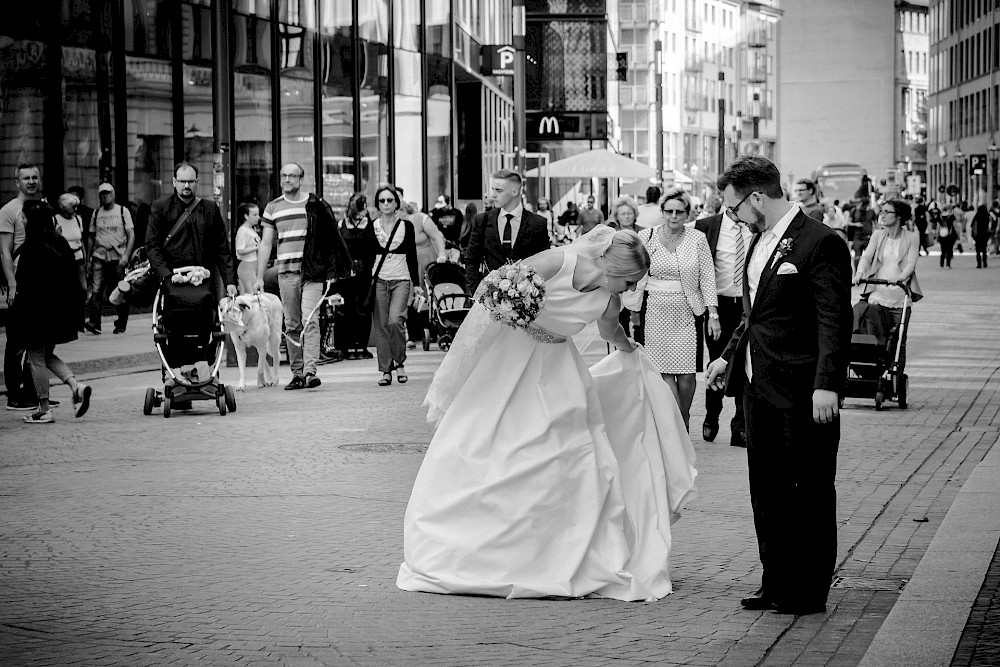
[(22, 71), (83, 102), (408, 152), (196, 29), (258, 8), (337, 105), (438, 92), (297, 101), (373, 21), (406, 24), (297, 12), (437, 22), (253, 152)]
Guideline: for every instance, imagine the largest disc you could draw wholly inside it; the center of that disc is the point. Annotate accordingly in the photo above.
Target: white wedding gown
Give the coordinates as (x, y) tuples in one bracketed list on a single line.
[(523, 494)]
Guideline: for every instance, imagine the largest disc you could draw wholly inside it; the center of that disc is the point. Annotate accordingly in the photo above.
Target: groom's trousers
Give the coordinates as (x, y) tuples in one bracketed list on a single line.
[(730, 313), (792, 465)]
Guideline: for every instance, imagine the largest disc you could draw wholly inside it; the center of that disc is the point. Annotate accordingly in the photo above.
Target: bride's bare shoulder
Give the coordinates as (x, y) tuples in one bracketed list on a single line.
[(547, 262)]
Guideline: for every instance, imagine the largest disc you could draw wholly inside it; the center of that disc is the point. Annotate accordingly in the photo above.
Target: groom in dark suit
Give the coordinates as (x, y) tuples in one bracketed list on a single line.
[(789, 355), (507, 232)]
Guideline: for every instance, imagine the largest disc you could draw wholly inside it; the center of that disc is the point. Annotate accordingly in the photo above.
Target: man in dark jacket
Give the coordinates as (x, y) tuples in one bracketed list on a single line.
[(311, 253), (200, 240)]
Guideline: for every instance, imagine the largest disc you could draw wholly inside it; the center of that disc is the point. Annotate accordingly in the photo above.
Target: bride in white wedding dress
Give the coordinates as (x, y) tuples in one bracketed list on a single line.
[(546, 478)]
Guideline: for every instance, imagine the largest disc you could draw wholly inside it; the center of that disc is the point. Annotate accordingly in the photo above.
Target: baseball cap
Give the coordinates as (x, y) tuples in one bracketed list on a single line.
[(105, 187)]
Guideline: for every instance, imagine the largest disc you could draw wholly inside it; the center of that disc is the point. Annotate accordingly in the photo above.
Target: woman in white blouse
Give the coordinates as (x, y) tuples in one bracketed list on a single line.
[(392, 240), (247, 242)]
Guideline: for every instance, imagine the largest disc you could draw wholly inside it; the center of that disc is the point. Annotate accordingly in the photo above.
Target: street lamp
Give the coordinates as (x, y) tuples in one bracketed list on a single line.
[(658, 84), (959, 176), (738, 132), (993, 149), (520, 117)]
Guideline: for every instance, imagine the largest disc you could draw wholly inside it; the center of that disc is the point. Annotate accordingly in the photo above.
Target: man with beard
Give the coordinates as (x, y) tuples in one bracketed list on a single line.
[(789, 356)]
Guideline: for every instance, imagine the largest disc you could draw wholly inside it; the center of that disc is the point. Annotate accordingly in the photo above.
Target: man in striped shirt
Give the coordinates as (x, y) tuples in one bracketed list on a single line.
[(310, 253)]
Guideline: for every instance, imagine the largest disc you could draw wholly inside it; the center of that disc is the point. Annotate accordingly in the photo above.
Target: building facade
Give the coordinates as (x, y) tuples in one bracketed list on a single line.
[(963, 100), (356, 91), (707, 51), (837, 66)]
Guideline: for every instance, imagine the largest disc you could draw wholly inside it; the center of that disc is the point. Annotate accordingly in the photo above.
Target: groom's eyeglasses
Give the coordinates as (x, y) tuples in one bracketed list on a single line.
[(731, 211)]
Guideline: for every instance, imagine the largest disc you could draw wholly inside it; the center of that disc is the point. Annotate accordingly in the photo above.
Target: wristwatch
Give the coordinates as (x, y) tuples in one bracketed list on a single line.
[(713, 316)]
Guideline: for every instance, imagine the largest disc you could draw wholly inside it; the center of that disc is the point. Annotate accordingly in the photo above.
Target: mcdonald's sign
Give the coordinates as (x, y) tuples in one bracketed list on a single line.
[(549, 125)]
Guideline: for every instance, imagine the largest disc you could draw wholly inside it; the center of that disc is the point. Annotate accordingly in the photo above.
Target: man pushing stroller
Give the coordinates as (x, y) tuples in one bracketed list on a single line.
[(184, 230)]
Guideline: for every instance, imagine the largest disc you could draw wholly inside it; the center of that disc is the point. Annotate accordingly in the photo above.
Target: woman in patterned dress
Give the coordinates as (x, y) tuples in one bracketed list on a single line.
[(681, 286)]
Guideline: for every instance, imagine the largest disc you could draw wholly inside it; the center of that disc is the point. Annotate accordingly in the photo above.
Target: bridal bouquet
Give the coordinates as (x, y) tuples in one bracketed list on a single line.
[(513, 294)]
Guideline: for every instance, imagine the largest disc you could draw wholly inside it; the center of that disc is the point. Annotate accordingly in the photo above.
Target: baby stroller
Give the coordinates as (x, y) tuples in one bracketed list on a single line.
[(447, 302), (877, 366), (187, 329)]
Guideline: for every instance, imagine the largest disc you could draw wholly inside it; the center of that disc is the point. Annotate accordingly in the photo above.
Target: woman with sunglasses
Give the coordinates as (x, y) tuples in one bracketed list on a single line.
[(391, 239), (680, 287)]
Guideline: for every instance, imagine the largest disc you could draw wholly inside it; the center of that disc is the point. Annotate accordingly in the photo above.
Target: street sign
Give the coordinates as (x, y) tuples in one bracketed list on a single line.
[(977, 163), (498, 60)]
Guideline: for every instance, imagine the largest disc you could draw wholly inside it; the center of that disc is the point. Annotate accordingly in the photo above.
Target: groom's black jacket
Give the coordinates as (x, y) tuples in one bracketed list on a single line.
[(798, 331), (486, 246)]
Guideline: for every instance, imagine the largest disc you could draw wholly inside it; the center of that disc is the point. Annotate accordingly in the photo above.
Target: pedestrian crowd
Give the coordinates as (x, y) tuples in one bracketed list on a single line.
[(375, 254)]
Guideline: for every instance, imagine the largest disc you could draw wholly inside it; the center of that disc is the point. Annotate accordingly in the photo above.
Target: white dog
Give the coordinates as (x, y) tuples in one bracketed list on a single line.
[(254, 320)]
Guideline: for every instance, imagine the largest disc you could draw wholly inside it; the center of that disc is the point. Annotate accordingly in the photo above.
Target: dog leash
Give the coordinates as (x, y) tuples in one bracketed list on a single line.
[(325, 299)]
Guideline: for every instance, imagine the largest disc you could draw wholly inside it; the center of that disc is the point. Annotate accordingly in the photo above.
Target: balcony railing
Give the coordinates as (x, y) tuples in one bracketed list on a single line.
[(692, 22), (694, 65)]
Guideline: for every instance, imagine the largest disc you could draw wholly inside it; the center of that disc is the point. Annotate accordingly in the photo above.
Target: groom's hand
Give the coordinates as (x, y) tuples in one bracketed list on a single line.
[(715, 375), (826, 406)]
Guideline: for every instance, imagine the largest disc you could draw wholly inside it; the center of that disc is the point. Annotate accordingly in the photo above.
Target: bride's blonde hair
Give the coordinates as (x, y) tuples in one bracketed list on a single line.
[(626, 256)]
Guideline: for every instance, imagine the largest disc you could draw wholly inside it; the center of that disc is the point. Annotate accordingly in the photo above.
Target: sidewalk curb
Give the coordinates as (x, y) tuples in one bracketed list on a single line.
[(108, 365), (926, 622)]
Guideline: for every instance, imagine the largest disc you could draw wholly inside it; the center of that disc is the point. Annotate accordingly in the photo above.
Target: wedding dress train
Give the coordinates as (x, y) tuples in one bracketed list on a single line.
[(544, 477)]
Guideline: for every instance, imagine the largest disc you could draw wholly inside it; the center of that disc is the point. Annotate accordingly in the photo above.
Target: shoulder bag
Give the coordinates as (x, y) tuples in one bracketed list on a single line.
[(368, 305)]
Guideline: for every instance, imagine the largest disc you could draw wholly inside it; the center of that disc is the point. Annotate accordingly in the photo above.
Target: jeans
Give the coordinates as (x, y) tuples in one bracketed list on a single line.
[(82, 276), (104, 277), (40, 359), (389, 322), (299, 299), (947, 249)]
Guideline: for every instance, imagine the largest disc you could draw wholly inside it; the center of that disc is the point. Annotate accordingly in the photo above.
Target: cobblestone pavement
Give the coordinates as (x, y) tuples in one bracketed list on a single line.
[(272, 535)]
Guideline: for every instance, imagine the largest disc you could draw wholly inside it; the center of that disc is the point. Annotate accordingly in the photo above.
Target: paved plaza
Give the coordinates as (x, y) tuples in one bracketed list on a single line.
[(272, 536)]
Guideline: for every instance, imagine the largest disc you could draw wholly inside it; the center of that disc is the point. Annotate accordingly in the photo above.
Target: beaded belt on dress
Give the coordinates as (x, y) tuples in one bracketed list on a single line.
[(658, 285), (543, 335)]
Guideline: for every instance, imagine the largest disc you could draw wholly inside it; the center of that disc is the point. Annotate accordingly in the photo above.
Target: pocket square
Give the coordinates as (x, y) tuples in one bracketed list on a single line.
[(787, 269)]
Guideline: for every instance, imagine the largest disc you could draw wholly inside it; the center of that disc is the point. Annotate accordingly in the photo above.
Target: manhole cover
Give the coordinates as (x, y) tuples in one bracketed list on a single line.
[(869, 584), (387, 447)]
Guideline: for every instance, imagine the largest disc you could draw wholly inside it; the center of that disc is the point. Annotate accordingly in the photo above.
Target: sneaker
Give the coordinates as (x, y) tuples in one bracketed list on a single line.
[(96, 330), (21, 406), (53, 403), (119, 330), (411, 345), (81, 400), (312, 381), (365, 354), (39, 418), (297, 383)]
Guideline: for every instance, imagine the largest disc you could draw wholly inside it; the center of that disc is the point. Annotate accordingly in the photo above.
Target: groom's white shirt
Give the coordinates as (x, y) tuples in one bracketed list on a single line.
[(761, 252), (515, 222)]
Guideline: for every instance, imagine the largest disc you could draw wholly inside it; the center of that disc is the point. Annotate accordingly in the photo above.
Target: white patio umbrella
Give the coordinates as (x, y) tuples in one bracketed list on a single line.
[(598, 163)]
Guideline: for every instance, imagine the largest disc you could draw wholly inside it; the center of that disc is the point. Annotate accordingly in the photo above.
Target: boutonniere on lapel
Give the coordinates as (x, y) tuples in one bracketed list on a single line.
[(784, 248)]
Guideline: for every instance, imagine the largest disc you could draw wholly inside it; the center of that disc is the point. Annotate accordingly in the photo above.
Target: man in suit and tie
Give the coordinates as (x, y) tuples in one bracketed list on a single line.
[(507, 232), (789, 354), (728, 240)]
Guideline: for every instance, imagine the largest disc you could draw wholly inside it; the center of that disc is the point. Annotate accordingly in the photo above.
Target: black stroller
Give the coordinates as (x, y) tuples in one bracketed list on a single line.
[(187, 329), (447, 302), (877, 367)]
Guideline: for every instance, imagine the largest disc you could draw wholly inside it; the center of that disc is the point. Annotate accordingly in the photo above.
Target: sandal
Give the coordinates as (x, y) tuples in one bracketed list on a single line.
[(401, 377), (386, 380)]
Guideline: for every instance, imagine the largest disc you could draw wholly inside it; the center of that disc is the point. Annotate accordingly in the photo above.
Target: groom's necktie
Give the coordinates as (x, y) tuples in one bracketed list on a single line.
[(741, 257), (507, 245)]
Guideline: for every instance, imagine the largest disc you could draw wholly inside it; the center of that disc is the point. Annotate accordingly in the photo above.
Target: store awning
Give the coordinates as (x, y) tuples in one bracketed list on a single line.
[(598, 163)]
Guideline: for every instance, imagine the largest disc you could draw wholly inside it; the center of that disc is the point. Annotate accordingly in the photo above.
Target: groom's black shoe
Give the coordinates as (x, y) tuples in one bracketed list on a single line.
[(757, 604), (737, 440), (709, 430)]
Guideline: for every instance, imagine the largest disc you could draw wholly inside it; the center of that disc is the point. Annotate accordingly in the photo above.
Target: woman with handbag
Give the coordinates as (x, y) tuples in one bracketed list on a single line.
[(391, 238), (46, 309), (353, 322)]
